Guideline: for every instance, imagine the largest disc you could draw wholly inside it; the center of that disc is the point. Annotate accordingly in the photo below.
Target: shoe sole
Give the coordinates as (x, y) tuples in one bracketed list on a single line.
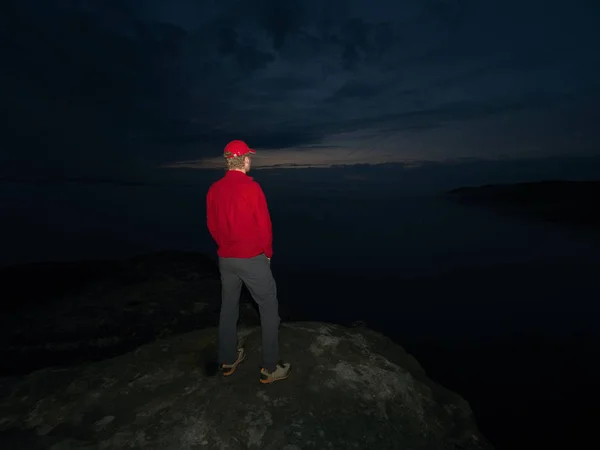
[(234, 368), (271, 381)]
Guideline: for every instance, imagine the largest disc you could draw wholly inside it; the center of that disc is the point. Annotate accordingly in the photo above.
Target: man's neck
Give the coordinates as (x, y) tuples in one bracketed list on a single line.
[(238, 170)]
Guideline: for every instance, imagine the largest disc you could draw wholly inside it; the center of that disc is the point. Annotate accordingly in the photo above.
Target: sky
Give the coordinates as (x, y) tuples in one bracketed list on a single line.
[(119, 86)]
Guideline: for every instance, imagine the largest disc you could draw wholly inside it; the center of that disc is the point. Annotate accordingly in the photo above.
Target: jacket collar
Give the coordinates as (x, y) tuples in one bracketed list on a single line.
[(237, 174)]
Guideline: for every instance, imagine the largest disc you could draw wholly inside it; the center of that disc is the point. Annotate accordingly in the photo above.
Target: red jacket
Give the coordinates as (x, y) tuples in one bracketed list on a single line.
[(238, 217)]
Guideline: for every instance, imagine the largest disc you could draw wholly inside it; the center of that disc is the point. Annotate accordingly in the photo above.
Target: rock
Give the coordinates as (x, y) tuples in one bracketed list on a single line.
[(349, 388), (42, 282), (359, 324), (66, 313)]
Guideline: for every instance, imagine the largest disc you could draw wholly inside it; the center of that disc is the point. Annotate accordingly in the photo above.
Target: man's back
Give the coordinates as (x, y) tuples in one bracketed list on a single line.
[(238, 218)]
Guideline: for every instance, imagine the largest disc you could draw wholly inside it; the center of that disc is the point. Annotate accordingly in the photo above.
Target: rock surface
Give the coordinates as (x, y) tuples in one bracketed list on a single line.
[(68, 312), (350, 388)]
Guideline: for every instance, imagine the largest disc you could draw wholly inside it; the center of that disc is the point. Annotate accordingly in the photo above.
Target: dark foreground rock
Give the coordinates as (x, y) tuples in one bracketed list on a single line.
[(350, 388), (61, 313), (563, 202)]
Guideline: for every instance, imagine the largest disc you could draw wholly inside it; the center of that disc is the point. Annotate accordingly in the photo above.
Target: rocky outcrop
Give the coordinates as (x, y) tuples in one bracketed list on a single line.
[(61, 313), (121, 354), (350, 388), (563, 202)]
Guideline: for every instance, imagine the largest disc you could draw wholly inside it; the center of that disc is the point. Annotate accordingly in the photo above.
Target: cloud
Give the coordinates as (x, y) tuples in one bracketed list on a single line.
[(113, 83)]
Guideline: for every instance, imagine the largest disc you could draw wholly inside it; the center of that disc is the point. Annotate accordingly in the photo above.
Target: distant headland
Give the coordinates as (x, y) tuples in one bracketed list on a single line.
[(563, 202)]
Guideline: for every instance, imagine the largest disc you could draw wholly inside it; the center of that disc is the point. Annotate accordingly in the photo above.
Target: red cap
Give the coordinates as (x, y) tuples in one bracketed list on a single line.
[(237, 148)]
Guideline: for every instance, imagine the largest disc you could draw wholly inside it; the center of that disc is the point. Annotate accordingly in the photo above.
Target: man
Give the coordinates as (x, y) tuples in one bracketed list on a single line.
[(238, 220)]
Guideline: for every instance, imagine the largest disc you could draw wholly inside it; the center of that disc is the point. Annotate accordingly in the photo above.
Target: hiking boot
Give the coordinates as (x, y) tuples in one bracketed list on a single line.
[(281, 372), (228, 369)]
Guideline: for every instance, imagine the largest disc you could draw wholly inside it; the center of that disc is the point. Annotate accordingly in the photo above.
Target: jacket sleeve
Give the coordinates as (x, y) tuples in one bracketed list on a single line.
[(211, 219), (263, 219)]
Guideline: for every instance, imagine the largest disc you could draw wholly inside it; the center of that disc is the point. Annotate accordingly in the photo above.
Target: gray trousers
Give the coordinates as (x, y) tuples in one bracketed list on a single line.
[(256, 274)]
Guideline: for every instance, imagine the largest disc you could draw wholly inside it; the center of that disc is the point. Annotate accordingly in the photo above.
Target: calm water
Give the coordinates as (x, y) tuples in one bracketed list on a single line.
[(413, 266)]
